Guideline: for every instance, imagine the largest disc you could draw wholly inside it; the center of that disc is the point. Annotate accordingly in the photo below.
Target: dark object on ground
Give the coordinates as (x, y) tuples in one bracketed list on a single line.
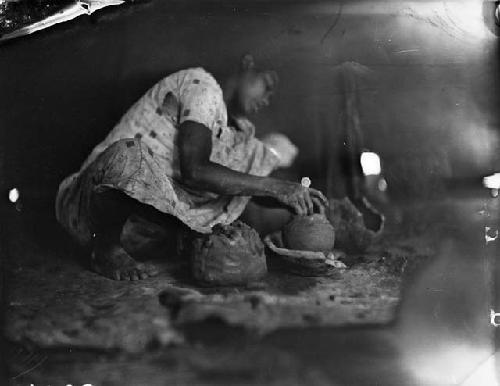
[(372, 219), (352, 236), (309, 233), (231, 255)]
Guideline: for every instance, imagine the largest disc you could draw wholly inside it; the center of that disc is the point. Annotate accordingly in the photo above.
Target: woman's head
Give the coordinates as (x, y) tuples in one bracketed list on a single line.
[(251, 88)]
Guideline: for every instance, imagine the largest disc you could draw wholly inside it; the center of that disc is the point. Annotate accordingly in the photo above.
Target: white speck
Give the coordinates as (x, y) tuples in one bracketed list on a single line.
[(489, 238), (493, 315), (370, 163), (484, 212), (14, 195), (492, 181), (382, 185), (407, 51), (305, 182)]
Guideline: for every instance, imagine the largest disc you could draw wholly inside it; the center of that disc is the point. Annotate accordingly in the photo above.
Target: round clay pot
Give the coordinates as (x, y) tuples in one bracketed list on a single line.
[(231, 255), (309, 233)]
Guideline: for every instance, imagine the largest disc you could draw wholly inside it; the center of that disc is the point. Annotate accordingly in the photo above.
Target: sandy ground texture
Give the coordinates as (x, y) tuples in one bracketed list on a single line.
[(55, 304), (55, 301)]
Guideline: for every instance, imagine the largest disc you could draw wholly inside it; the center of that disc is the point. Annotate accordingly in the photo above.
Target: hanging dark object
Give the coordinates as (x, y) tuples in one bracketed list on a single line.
[(491, 16)]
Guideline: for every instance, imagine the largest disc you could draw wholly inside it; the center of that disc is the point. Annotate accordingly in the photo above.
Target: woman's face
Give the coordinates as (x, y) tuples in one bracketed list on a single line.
[(253, 92)]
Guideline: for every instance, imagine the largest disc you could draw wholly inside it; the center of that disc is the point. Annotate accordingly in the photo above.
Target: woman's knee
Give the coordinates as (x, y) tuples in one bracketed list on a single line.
[(265, 219), (131, 147), (121, 153)]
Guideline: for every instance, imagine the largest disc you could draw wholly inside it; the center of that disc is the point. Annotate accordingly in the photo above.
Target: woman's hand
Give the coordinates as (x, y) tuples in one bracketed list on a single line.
[(282, 147), (301, 199)]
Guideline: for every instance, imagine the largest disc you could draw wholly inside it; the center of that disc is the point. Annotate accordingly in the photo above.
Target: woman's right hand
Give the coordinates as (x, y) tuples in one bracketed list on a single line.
[(301, 199)]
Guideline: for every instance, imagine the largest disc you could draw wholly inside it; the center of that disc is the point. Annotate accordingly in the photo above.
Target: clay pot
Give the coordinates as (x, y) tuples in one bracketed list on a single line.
[(309, 233), (231, 255), (352, 236)]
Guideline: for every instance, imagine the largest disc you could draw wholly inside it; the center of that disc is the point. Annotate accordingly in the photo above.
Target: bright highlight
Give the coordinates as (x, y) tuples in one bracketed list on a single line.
[(492, 182), (370, 162), (14, 195)]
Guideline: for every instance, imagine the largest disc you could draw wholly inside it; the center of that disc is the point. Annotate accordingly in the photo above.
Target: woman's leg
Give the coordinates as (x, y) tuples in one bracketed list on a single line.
[(109, 211), (265, 215), (123, 228), (151, 234)]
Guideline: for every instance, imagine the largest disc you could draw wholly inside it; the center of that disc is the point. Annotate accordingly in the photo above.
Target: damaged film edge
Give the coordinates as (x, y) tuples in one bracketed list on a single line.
[(80, 7)]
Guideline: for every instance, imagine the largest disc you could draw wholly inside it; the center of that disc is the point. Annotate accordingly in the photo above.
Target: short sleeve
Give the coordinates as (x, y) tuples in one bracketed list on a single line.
[(201, 101)]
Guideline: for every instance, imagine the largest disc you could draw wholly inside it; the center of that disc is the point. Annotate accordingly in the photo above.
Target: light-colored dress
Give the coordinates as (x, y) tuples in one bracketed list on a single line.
[(140, 157)]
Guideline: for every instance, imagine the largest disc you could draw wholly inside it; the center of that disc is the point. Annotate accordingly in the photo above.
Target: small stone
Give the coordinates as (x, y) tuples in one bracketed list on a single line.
[(256, 285), (254, 301), (310, 318), (361, 314)]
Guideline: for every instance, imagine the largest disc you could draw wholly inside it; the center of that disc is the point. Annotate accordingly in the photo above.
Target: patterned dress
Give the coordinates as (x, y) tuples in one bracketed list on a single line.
[(140, 157)]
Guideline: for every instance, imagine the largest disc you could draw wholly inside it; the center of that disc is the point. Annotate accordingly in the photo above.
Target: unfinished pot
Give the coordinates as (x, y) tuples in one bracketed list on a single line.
[(351, 233), (309, 233), (231, 255)]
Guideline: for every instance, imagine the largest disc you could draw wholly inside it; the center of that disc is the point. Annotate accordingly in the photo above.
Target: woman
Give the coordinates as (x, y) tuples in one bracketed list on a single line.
[(184, 155)]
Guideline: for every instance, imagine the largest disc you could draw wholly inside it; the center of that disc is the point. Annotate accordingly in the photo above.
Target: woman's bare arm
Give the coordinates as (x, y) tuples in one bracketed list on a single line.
[(197, 171), (195, 146)]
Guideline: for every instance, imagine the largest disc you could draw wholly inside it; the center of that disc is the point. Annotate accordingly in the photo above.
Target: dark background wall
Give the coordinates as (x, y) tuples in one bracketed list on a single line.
[(430, 109)]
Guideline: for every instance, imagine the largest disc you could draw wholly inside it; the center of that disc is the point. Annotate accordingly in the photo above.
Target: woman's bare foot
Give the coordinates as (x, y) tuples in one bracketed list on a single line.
[(115, 263)]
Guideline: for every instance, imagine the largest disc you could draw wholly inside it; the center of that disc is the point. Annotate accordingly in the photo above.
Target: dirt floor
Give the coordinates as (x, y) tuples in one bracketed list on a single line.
[(66, 324)]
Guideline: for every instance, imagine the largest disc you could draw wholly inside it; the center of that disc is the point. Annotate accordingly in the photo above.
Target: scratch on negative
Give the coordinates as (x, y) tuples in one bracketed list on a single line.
[(406, 51), (29, 370), (337, 18)]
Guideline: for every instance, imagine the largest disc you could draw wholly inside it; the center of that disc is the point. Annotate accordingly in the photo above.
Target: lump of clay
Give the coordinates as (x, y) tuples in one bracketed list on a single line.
[(309, 233), (352, 236), (231, 255)]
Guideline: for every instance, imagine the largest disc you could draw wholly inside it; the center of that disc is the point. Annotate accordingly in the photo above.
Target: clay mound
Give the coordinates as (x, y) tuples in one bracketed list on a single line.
[(231, 255), (309, 233), (351, 233)]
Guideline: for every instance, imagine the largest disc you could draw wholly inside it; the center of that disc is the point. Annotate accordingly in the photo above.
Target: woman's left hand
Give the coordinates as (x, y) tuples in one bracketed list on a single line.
[(302, 200), (282, 147)]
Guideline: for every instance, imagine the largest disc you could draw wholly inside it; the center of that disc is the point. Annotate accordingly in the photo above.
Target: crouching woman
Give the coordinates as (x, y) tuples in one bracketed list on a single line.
[(184, 156)]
